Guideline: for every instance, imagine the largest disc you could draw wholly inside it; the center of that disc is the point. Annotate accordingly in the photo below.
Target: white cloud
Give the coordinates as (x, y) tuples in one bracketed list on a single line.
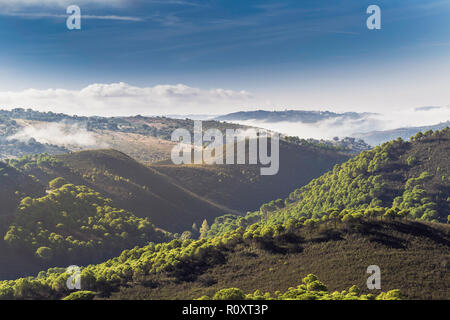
[(123, 99)]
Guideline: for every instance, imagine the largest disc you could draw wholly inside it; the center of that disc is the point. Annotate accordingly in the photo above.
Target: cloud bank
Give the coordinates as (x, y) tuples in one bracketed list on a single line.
[(119, 99)]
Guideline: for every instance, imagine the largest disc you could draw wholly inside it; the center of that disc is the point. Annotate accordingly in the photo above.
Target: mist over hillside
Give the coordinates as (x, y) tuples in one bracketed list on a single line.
[(147, 139), (327, 124), (378, 137)]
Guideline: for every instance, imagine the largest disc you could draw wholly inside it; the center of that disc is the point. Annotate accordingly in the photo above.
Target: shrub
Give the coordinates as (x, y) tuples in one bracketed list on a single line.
[(57, 183), (81, 295), (316, 286), (44, 253), (229, 294)]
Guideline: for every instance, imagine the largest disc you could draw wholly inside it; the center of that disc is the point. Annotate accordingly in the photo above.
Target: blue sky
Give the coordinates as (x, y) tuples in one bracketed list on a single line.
[(225, 55)]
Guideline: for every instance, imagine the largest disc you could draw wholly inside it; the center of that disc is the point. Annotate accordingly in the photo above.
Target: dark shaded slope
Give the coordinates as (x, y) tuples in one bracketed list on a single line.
[(141, 189), (13, 186), (241, 187), (173, 197), (131, 186)]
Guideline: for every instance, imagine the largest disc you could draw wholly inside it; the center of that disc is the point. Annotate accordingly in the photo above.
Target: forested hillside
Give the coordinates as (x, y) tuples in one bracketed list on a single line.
[(413, 258), (72, 224), (75, 221), (398, 179), (410, 175)]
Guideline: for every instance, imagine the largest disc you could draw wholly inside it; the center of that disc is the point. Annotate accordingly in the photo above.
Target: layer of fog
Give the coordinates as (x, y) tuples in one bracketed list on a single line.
[(340, 127), (61, 134)]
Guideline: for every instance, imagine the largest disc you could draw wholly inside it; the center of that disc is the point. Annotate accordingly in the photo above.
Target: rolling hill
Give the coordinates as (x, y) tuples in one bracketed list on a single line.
[(174, 197), (242, 188), (381, 208), (302, 116), (146, 139), (70, 225), (412, 256), (411, 177), (169, 197), (131, 185)]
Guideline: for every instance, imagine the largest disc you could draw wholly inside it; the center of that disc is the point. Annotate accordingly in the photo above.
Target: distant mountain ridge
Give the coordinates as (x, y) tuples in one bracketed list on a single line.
[(378, 137), (304, 116), (146, 139)]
